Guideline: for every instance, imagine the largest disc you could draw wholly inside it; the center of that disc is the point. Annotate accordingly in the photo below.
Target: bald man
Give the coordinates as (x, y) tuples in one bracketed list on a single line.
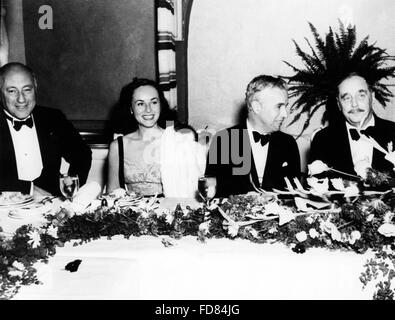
[(33, 139)]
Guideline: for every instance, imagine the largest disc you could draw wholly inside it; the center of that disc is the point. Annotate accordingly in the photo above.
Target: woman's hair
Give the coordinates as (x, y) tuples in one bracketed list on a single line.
[(124, 122)]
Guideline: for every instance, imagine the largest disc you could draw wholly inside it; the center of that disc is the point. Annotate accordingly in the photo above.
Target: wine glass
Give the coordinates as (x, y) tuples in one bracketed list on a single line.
[(207, 186), (69, 185)]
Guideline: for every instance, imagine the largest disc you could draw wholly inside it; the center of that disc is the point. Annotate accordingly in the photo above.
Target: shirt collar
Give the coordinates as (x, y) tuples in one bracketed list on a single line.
[(251, 128), (11, 118)]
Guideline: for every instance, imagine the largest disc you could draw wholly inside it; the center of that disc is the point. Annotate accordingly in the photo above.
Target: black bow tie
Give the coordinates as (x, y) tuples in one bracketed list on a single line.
[(355, 135), (19, 123), (263, 138)]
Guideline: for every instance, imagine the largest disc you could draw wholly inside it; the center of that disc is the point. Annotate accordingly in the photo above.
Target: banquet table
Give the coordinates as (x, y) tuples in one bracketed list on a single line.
[(143, 268)]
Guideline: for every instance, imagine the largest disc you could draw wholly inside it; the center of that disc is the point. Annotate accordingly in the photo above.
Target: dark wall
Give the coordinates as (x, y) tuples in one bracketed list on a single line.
[(94, 49)]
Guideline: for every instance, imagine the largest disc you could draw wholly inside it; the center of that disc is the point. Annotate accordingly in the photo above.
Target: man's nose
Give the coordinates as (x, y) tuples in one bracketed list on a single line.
[(283, 112), (21, 97), (354, 102)]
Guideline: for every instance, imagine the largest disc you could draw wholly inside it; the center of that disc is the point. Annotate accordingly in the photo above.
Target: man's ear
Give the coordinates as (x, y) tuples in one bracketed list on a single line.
[(338, 104), (255, 106)]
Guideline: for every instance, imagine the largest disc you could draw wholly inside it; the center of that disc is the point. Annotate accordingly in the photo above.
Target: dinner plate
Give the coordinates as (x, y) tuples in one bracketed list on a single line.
[(14, 199)]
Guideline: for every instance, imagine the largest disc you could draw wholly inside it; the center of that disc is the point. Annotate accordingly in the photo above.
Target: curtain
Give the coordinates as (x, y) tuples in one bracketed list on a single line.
[(166, 24)]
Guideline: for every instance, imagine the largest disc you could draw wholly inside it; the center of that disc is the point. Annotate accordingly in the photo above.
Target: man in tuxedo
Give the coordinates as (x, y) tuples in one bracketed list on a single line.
[(33, 139), (345, 146), (255, 154)]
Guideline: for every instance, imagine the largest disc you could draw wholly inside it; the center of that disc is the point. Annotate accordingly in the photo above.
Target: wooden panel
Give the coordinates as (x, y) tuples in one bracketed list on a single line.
[(93, 50)]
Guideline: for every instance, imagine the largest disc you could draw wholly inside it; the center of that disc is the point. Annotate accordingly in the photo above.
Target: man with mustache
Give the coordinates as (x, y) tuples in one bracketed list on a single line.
[(345, 146), (34, 139), (255, 154)]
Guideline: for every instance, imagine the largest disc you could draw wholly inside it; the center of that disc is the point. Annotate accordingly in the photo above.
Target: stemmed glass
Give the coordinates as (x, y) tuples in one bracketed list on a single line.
[(207, 186), (69, 185)]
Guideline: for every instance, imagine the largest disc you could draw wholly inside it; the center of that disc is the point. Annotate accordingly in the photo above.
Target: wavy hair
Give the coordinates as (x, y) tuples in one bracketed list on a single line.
[(124, 122)]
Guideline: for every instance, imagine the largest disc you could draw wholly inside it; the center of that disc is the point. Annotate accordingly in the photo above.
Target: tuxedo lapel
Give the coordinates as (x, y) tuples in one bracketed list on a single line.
[(244, 136), (383, 135), (7, 151), (342, 147), (43, 134)]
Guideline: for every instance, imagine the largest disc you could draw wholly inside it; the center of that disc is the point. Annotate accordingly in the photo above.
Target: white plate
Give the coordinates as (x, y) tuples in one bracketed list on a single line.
[(14, 199)]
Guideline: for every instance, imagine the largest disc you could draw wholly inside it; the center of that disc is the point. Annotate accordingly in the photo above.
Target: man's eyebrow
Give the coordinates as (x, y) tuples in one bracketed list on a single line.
[(363, 90), (344, 95)]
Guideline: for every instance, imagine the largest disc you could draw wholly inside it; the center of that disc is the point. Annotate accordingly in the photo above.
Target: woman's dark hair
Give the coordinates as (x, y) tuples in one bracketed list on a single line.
[(124, 122)]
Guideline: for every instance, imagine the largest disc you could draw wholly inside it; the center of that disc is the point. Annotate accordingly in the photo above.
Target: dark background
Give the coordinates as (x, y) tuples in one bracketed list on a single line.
[(93, 50)]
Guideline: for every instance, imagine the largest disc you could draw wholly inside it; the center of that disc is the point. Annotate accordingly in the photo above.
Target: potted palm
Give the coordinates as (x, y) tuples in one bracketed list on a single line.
[(334, 56)]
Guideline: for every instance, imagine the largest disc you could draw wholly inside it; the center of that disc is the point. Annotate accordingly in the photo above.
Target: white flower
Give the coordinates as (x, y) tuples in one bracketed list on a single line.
[(330, 228), (15, 273), (336, 235), (301, 236), (355, 235), (309, 220), (272, 230), (351, 191), (233, 229), (370, 217), (388, 216), (387, 229), (19, 266), (319, 186), (185, 212), (317, 167), (313, 233), (53, 231), (361, 168), (252, 231), (338, 184), (204, 227), (34, 238)]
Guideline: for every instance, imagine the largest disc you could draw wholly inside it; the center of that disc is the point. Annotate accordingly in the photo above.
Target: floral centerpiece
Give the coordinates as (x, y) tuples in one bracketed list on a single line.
[(332, 213)]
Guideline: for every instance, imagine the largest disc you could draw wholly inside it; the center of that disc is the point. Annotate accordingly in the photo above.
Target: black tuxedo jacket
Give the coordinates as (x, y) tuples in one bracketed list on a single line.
[(232, 170), (331, 145), (57, 138)]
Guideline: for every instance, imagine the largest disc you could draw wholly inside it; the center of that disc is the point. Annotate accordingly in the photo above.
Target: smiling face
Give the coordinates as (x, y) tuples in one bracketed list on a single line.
[(355, 100), (18, 93), (268, 108), (146, 106)]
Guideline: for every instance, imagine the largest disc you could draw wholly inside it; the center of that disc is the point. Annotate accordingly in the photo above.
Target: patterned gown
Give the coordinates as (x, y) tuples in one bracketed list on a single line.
[(142, 167)]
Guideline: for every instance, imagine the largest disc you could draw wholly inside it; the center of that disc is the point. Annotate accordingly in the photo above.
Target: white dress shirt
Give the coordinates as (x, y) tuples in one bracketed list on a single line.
[(259, 153), (362, 149), (27, 150)]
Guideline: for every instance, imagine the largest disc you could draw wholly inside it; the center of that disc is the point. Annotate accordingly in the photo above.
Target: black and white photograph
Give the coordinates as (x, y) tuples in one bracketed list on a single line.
[(197, 154)]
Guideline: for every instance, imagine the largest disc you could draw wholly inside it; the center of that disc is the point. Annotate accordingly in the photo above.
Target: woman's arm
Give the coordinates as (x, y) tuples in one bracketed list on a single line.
[(113, 167)]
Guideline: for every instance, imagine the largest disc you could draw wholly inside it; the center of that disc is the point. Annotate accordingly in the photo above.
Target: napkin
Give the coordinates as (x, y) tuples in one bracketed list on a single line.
[(182, 163), (87, 193)]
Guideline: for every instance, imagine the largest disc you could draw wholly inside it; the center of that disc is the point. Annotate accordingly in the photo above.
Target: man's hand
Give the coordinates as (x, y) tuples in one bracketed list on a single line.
[(39, 193)]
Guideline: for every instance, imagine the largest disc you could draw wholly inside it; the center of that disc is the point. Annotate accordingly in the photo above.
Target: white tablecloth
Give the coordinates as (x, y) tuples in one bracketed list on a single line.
[(143, 268)]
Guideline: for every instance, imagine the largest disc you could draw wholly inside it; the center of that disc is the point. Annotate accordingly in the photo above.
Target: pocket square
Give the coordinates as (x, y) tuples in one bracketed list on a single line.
[(285, 164)]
